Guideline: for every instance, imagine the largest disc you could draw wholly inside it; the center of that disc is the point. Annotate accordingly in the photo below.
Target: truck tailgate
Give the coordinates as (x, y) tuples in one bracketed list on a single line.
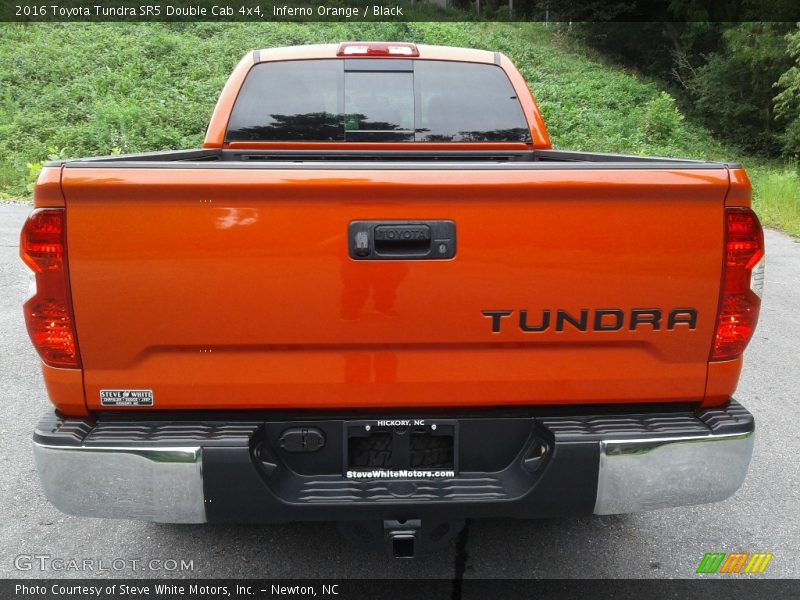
[(233, 288)]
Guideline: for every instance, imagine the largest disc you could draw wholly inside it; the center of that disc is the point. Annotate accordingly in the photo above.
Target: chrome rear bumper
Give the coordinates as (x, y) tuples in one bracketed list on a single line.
[(647, 474), (194, 472), (148, 484)]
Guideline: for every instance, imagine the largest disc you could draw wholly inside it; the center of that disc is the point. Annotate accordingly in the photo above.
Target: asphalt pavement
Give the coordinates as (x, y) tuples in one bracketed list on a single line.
[(764, 516)]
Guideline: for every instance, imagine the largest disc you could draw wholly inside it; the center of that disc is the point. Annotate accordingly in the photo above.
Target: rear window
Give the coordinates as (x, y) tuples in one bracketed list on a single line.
[(377, 100)]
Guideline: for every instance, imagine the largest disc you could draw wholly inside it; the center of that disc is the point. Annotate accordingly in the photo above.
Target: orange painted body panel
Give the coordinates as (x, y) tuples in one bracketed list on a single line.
[(740, 192), (233, 288), (65, 390), (215, 134), (47, 193), (723, 377), (539, 134)]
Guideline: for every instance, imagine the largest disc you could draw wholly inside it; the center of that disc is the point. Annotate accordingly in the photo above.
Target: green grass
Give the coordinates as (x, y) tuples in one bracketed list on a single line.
[(88, 89), (776, 197)]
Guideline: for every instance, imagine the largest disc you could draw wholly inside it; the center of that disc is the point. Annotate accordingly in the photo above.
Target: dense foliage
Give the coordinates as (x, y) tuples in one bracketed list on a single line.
[(787, 102), (728, 76), (93, 89), (76, 90)]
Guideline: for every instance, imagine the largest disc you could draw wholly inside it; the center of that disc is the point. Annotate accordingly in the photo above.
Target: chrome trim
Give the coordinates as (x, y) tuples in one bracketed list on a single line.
[(646, 474), (161, 484), (757, 277)]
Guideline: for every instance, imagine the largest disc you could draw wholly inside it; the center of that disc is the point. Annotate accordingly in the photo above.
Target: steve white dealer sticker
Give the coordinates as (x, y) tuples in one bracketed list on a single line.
[(126, 397)]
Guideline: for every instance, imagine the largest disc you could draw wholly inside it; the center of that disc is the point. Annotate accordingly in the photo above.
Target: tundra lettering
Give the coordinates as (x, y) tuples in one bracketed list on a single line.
[(290, 322), (611, 319)]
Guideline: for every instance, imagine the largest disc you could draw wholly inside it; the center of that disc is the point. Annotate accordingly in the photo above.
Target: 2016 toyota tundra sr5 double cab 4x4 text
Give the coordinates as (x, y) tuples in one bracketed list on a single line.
[(378, 296)]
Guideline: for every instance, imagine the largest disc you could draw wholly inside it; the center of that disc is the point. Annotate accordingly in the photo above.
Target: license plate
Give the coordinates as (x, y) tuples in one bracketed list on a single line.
[(400, 449)]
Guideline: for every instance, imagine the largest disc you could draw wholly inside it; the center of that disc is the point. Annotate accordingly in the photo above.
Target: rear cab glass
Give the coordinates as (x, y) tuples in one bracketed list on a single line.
[(377, 100)]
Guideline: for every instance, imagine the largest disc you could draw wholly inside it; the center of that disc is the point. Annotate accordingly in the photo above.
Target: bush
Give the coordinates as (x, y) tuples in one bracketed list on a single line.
[(661, 118)]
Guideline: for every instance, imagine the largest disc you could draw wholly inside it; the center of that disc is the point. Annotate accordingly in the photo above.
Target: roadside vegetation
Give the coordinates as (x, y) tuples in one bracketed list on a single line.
[(93, 89)]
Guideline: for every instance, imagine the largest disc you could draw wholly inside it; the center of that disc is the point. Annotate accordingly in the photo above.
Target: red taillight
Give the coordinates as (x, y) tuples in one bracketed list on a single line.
[(742, 278), (397, 49), (48, 314)]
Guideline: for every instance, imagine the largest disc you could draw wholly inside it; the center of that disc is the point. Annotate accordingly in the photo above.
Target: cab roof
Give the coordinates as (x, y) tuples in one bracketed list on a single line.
[(317, 51)]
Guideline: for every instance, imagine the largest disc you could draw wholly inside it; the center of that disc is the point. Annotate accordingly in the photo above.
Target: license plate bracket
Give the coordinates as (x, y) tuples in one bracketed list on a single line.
[(398, 446)]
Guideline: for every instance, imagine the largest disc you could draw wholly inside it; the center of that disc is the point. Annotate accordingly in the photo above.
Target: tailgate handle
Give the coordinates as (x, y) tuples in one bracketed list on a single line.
[(402, 240)]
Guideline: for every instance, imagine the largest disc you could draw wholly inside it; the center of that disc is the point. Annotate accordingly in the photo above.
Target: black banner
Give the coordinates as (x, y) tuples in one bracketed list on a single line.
[(75, 11), (732, 588)]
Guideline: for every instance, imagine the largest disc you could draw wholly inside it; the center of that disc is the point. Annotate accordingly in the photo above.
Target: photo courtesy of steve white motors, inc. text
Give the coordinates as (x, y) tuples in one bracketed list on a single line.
[(173, 590)]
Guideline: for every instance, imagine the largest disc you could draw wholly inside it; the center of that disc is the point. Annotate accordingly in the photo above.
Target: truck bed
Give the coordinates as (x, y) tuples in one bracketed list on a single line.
[(527, 159)]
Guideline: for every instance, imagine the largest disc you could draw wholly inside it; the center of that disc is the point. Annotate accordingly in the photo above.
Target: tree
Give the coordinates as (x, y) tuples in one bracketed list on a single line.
[(787, 102), (734, 91), (724, 74)]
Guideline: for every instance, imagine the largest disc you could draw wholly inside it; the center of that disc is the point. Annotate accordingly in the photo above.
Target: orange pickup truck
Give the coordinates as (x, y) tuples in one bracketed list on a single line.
[(378, 296)]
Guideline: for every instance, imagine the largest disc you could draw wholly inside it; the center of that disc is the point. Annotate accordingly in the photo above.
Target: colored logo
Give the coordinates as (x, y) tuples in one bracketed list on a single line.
[(737, 562)]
